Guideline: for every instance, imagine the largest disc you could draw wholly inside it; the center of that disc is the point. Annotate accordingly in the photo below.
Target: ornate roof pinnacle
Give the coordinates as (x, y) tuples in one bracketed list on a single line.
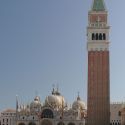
[(78, 98)]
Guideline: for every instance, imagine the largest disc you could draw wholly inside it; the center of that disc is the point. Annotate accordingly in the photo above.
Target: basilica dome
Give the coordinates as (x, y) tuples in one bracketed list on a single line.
[(36, 104), (56, 100), (78, 104)]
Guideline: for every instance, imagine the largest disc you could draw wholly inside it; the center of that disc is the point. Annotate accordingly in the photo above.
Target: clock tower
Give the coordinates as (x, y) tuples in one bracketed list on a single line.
[(98, 65)]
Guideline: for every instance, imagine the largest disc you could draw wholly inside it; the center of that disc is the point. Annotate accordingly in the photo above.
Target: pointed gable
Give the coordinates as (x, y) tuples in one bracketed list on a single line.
[(98, 5)]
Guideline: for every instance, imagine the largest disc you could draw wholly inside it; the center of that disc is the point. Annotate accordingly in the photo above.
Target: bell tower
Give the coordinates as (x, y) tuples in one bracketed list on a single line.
[(98, 65)]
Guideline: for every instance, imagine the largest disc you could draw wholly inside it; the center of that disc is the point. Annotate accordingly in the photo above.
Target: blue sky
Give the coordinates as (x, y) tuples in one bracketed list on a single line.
[(43, 42)]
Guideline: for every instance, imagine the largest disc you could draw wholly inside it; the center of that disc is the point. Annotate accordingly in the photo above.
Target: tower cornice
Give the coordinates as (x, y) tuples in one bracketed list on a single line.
[(90, 27), (97, 12)]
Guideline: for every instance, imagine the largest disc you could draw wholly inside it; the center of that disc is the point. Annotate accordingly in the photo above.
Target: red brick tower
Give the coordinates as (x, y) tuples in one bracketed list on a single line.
[(98, 65)]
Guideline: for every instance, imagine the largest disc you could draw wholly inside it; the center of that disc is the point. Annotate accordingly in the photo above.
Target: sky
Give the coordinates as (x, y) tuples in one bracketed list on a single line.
[(43, 42)]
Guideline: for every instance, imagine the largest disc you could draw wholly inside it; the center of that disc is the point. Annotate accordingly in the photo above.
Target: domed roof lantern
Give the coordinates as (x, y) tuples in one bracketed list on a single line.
[(37, 98), (57, 91)]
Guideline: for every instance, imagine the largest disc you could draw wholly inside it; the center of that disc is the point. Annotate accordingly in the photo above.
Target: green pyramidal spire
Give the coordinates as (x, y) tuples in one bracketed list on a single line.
[(98, 5)]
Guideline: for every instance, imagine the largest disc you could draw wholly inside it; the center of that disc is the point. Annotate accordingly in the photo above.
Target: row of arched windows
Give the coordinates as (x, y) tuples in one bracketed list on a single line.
[(98, 36), (115, 123)]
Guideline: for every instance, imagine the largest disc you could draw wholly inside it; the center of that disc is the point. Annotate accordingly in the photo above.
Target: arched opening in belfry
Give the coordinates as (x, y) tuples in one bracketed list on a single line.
[(97, 36), (93, 36), (104, 36), (100, 36)]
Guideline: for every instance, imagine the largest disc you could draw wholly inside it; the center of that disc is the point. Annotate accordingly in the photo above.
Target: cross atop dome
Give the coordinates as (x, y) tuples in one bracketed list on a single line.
[(78, 98), (98, 5)]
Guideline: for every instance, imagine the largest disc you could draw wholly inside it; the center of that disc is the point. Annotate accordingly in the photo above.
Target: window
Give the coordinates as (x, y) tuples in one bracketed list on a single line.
[(96, 36), (119, 113), (93, 36), (100, 36), (47, 113), (104, 36)]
